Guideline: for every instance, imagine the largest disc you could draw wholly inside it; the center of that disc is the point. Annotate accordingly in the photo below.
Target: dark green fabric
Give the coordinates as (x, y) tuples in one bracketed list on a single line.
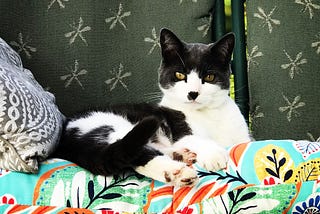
[(284, 68), (106, 48)]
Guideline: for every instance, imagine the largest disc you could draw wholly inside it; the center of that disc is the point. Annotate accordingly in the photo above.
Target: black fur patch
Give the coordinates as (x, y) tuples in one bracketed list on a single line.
[(92, 152), (172, 122)]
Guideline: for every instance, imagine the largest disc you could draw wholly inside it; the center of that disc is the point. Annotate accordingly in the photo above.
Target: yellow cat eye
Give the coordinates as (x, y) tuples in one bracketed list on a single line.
[(180, 76), (209, 78)]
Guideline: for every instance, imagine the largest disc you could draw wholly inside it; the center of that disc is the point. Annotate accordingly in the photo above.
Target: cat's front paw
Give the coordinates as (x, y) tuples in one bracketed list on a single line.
[(182, 176), (185, 155), (214, 159)]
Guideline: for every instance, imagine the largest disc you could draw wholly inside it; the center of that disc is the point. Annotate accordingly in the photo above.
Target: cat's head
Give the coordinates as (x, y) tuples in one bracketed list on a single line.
[(194, 74)]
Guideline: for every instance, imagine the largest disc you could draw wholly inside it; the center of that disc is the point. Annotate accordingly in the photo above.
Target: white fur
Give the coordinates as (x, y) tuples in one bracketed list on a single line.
[(120, 125), (212, 115), (209, 155)]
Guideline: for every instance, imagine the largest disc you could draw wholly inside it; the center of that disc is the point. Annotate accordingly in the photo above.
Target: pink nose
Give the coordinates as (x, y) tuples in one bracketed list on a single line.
[(193, 95)]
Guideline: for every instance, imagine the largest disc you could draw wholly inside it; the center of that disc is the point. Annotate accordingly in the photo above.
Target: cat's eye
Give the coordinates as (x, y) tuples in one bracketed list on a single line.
[(180, 76), (209, 78)]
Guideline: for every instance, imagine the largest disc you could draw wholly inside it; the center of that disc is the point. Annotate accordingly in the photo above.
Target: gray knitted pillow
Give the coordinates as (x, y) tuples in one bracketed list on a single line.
[(30, 122)]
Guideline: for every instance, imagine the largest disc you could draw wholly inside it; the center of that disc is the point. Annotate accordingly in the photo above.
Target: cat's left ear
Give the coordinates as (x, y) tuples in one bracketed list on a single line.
[(171, 45), (222, 49)]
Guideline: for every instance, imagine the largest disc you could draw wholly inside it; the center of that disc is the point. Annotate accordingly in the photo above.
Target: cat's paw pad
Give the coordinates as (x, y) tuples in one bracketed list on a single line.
[(184, 176), (213, 160), (185, 155)]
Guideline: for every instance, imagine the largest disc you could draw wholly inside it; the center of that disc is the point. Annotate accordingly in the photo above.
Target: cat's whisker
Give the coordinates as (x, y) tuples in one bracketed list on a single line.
[(180, 59), (239, 89), (153, 96)]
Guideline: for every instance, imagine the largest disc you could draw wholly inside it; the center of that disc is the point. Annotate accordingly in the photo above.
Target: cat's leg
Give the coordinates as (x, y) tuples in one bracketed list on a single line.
[(132, 151), (164, 169), (164, 145), (209, 155)]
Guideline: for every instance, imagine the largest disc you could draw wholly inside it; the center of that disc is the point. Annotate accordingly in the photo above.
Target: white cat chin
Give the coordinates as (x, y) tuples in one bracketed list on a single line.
[(173, 98), (193, 106)]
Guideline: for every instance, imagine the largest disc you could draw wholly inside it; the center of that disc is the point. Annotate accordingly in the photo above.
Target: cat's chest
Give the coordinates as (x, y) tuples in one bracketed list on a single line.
[(204, 123), (225, 126)]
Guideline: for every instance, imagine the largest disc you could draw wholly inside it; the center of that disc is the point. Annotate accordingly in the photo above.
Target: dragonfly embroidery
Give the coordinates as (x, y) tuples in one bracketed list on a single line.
[(194, 1), (316, 44), (117, 18), (155, 40), (308, 6), (75, 72), (312, 138), (60, 3), (205, 27), (23, 45), (78, 31), (294, 64), (255, 53), (118, 77), (292, 107), (266, 18)]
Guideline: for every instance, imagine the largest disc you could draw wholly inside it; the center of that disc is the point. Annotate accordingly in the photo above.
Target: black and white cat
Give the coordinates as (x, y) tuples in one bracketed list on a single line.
[(194, 122)]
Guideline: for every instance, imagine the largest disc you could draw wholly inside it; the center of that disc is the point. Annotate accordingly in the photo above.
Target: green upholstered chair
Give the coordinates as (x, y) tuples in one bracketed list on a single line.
[(284, 68), (92, 53), (276, 66)]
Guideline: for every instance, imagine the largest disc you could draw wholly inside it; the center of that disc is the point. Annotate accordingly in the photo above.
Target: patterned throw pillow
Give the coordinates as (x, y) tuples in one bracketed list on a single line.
[(30, 122)]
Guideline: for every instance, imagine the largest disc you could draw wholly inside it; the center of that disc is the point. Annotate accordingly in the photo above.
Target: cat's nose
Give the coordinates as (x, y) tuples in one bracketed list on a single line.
[(193, 95)]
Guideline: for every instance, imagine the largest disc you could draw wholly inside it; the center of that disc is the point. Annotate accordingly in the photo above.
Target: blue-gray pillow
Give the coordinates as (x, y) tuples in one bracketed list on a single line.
[(30, 122)]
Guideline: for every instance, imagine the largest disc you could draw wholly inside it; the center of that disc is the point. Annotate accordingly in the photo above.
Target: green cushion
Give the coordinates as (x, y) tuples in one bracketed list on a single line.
[(283, 61), (91, 53)]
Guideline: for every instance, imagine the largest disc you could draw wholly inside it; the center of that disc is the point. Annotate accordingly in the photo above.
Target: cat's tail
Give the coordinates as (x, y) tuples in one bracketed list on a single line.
[(131, 150)]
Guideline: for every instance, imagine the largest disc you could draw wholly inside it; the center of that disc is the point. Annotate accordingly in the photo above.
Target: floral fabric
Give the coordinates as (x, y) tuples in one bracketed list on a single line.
[(276, 176)]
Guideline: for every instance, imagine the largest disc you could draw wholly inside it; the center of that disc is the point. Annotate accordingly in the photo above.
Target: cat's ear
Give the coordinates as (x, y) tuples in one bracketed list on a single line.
[(222, 49), (171, 45)]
